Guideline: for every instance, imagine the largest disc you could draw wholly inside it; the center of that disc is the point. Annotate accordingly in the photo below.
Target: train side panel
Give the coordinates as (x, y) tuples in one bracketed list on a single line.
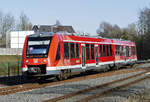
[(66, 52)]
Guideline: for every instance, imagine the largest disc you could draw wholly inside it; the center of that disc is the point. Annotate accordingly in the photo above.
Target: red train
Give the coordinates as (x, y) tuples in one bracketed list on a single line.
[(59, 55)]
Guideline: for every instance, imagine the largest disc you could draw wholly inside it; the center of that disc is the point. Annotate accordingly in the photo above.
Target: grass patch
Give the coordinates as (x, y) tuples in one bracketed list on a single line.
[(10, 58), (9, 61)]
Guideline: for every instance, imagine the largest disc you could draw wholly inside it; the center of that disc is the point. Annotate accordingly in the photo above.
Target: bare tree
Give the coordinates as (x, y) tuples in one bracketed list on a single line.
[(104, 29), (58, 23), (107, 30), (144, 34), (1, 22), (25, 23), (7, 23)]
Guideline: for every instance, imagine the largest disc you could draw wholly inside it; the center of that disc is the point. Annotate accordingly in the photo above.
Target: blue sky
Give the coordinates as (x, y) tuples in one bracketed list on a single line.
[(83, 15)]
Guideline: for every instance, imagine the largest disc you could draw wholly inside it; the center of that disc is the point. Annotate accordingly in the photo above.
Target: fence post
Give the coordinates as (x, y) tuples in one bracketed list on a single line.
[(18, 67), (8, 69), (14, 71)]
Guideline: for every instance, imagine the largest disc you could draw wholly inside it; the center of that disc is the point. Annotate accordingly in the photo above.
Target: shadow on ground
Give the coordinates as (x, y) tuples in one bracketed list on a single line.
[(18, 80), (14, 80)]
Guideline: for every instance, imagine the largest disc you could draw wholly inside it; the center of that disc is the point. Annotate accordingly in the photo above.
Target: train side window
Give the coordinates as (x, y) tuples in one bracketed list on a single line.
[(107, 47), (110, 50), (133, 50), (66, 50), (58, 53), (72, 50), (87, 52), (120, 50), (77, 50), (127, 51), (116, 52), (92, 51), (104, 50), (101, 50)]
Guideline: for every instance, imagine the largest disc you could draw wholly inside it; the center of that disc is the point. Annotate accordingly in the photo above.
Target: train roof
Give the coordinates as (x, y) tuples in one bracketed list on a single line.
[(41, 34), (76, 37)]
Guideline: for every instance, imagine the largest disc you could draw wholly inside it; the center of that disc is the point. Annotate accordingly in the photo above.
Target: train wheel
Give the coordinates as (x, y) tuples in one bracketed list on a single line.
[(69, 72), (116, 67), (60, 76), (64, 74), (107, 68)]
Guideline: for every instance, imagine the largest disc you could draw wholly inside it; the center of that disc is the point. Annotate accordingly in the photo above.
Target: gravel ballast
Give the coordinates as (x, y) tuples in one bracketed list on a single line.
[(38, 95)]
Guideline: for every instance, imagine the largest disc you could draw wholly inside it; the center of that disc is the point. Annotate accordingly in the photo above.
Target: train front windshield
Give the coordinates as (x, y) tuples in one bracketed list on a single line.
[(38, 46)]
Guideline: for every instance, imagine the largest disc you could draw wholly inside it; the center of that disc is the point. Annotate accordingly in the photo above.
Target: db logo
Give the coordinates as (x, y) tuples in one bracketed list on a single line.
[(35, 60)]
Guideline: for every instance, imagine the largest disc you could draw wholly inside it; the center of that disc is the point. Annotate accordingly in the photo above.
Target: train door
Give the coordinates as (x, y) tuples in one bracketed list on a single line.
[(96, 51), (83, 55)]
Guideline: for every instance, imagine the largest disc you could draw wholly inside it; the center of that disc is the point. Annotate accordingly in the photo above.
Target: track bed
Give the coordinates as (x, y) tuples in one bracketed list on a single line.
[(92, 84)]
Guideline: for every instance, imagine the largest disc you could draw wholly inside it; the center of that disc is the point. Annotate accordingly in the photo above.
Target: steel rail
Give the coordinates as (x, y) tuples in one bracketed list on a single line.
[(70, 95), (111, 90), (26, 87)]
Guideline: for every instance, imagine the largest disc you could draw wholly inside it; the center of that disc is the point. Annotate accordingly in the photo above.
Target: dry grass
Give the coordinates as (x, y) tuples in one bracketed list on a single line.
[(12, 61), (142, 97), (8, 58)]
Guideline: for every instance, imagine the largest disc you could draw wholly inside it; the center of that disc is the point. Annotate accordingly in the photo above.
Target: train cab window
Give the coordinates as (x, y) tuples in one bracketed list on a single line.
[(110, 50), (107, 49), (38, 47), (66, 50), (104, 50), (58, 53), (77, 50), (92, 51), (101, 50), (72, 50), (87, 52)]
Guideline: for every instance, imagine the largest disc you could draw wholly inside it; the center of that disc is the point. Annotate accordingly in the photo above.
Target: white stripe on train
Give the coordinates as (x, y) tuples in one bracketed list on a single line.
[(80, 65), (98, 42), (87, 65)]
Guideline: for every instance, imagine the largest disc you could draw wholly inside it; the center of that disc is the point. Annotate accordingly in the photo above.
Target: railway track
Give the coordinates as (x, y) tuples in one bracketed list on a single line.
[(102, 89), (31, 86)]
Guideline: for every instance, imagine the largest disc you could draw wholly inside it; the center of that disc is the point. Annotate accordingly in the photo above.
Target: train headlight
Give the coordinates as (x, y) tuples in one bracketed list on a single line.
[(27, 61), (45, 60)]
